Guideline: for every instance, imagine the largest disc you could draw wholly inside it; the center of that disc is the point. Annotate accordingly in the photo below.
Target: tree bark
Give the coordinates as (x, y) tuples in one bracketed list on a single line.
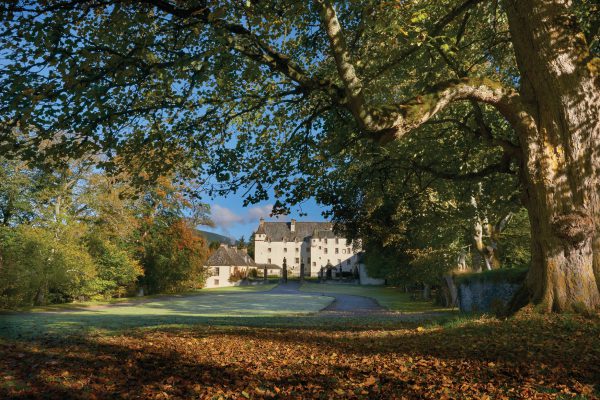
[(561, 154), (556, 115)]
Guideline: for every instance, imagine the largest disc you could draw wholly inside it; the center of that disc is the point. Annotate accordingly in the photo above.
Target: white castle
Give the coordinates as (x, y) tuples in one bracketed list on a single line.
[(312, 243)]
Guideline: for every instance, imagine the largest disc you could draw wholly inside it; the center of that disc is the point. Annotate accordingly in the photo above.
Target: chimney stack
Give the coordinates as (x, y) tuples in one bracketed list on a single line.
[(293, 226), (261, 222)]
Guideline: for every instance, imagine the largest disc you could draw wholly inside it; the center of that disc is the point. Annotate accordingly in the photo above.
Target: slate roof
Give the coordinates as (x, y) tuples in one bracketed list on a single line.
[(226, 255), (277, 231)]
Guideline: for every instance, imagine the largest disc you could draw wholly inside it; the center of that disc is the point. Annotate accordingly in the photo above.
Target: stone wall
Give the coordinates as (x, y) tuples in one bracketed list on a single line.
[(488, 292), (365, 279)]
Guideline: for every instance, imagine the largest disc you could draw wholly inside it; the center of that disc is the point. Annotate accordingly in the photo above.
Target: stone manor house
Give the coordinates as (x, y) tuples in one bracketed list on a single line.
[(312, 243)]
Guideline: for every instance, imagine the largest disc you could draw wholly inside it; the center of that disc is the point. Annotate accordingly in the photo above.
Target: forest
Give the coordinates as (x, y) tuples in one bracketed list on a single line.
[(74, 233)]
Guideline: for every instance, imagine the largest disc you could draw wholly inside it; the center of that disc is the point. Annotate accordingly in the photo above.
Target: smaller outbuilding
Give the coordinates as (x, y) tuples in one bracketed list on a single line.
[(228, 266)]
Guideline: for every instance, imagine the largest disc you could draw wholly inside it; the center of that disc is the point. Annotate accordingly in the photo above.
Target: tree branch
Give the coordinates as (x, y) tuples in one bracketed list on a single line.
[(396, 121), (435, 31), (502, 167), (247, 43), (352, 84)]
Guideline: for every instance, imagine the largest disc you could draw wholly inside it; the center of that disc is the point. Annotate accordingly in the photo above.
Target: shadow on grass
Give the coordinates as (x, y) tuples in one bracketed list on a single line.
[(530, 356)]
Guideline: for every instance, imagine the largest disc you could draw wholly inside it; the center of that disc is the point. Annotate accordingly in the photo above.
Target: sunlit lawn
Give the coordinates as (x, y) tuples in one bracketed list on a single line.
[(214, 306), (87, 304), (388, 297)]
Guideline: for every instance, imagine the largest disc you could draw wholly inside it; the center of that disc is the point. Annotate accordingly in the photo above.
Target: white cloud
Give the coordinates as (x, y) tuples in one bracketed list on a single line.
[(255, 213), (224, 217)]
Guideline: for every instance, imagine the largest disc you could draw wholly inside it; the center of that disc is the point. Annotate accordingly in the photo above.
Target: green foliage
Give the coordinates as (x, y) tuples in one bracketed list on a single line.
[(250, 247), (117, 271), (241, 243), (72, 232), (515, 251), (40, 266)]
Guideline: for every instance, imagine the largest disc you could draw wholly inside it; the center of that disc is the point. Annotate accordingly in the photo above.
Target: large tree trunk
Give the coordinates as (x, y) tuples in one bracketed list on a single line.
[(561, 154)]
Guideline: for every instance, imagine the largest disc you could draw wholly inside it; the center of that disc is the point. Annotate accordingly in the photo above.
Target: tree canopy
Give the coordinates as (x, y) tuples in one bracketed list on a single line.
[(269, 95)]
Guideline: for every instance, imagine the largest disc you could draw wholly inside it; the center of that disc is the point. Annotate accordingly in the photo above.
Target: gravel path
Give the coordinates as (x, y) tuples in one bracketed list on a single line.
[(343, 302)]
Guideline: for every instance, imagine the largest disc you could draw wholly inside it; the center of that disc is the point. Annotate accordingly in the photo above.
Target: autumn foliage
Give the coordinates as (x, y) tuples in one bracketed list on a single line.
[(173, 256), (541, 358)]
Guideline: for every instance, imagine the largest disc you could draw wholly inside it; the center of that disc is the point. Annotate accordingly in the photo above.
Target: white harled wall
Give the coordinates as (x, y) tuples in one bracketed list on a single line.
[(315, 254)]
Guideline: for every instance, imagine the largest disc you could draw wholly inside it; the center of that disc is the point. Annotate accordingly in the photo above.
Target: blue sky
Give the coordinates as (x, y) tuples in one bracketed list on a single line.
[(232, 219)]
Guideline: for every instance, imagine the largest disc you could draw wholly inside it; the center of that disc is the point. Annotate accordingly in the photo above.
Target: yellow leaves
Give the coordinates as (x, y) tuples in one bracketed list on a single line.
[(371, 380)]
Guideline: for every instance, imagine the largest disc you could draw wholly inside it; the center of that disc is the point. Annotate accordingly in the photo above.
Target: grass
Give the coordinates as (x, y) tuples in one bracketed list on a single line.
[(237, 342), (388, 297), (86, 304), (212, 307)]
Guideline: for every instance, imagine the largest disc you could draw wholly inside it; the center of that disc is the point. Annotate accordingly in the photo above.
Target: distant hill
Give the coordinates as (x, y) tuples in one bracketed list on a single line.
[(215, 237)]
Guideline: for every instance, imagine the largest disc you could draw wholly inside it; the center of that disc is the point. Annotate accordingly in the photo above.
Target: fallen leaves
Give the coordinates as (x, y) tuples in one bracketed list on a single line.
[(540, 358)]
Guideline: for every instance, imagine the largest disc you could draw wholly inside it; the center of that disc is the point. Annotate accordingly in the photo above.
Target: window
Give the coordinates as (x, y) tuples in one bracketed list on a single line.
[(308, 260), (217, 271), (314, 263), (297, 249), (337, 250), (269, 250), (269, 261), (285, 249), (325, 250), (337, 241), (325, 240), (297, 260), (343, 251), (216, 282), (319, 247)]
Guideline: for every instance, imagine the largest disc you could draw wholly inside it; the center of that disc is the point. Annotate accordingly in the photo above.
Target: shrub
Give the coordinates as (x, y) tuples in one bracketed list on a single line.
[(237, 275), (117, 271), (43, 265)]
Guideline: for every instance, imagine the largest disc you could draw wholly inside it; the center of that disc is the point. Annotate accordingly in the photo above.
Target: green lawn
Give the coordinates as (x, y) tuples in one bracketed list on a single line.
[(213, 307), (240, 289), (86, 304), (389, 297)]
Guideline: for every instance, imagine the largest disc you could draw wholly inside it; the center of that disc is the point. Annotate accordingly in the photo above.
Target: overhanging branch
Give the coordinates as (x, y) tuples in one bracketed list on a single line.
[(396, 121)]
